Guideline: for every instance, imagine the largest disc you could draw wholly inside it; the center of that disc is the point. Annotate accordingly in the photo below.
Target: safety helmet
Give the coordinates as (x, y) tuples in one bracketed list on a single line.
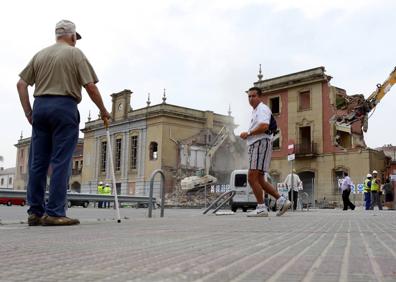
[(375, 172), (100, 183), (369, 175), (107, 184)]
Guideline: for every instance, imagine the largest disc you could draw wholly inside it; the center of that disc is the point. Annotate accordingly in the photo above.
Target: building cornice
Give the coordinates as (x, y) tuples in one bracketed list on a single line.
[(162, 110), (293, 80)]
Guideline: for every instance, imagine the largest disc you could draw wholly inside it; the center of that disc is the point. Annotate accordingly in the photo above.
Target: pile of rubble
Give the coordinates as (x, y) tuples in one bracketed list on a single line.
[(190, 199)]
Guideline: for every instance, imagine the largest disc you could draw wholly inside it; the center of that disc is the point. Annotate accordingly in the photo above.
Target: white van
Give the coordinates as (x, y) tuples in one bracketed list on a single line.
[(244, 197)]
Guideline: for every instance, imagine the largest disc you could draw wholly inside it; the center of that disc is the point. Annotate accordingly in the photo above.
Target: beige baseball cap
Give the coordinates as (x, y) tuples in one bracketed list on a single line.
[(66, 27)]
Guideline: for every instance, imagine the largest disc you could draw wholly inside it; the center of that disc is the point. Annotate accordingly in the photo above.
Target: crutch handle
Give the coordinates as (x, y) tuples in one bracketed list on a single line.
[(106, 122)]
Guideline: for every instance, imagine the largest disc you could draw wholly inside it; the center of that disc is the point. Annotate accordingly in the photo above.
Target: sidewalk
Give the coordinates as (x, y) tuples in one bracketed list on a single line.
[(319, 245)]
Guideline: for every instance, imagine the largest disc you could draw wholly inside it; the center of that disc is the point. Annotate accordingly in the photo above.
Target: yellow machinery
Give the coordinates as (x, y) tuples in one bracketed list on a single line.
[(362, 110)]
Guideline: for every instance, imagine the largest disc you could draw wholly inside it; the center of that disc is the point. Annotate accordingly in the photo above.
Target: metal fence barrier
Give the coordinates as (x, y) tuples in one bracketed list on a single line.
[(226, 196), (4, 193)]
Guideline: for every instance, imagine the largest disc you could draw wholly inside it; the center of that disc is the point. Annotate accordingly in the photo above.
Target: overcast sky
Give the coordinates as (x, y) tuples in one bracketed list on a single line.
[(205, 53)]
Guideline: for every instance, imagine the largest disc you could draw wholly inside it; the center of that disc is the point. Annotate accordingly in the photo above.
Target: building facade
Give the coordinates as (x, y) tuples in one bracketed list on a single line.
[(171, 138), (7, 176), (305, 104), (22, 171)]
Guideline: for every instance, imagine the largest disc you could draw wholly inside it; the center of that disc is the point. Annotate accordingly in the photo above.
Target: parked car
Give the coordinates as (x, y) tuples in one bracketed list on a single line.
[(83, 203), (13, 201), (71, 203)]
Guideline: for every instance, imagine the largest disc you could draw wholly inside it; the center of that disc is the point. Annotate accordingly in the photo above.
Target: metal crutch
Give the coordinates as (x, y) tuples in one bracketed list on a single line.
[(106, 123)]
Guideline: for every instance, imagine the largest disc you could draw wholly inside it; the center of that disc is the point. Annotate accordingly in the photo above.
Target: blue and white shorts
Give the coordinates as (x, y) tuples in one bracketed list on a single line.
[(260, 153)]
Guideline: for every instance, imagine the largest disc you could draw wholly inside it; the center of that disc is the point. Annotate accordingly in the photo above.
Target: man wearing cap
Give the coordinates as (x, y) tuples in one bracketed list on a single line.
[(58, 73), (375, 191)]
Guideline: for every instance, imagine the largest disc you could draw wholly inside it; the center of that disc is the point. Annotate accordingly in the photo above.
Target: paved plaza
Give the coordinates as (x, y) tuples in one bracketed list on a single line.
[(318, 245)]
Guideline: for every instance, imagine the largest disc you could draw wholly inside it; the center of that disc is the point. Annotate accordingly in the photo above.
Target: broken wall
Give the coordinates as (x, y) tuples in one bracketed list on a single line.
[(347, 135)]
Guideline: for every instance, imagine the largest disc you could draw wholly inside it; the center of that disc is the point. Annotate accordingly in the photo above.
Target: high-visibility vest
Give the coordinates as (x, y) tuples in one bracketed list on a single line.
[(374, 185), (366, 188), (107, 190), (100, 189)]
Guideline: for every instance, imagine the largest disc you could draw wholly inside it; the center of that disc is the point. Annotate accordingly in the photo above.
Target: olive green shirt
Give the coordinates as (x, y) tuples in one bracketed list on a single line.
[(59, 69)]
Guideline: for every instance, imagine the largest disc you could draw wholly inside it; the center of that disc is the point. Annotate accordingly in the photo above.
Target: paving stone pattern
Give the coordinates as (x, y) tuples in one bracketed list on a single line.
[(319, 245)]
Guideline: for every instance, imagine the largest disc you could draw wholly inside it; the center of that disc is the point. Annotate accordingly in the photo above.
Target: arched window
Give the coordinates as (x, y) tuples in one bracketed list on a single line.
[(153, 151)]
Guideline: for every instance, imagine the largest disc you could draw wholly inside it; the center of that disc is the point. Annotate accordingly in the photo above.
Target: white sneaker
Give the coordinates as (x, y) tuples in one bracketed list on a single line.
[(260, 211), (284, 205)]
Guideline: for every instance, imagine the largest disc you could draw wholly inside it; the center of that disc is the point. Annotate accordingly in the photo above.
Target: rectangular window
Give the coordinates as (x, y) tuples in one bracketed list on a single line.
[(76, 165), (134, 147), (2, 181), (304, 99), (274, 105), (103, 156), (240, 180), (118, 155), (305, 146), (153, 151), (10, 180)]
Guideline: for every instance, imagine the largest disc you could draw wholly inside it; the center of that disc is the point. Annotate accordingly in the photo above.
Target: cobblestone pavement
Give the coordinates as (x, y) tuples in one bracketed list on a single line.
[(319, 245)]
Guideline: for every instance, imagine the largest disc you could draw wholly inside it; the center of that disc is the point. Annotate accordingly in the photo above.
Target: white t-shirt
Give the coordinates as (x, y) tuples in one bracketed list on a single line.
[(297, 183), (346, 182), (261, 114)]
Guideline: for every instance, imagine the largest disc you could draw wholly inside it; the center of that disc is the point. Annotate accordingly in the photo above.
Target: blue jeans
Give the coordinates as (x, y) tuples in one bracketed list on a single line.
[(367, 200), (54, 138)]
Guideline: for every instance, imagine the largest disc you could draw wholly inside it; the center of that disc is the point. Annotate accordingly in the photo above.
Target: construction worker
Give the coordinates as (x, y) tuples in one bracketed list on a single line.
[(367, 191), (100, 192), (107, 191), (375, 191)]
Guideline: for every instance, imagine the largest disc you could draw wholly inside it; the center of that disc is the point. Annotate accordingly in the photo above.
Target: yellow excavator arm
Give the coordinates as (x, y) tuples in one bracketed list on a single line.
[(382, 89), (362, 110)]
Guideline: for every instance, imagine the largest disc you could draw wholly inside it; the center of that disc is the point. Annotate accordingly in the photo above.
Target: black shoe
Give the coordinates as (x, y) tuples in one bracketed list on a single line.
[(34, 220)]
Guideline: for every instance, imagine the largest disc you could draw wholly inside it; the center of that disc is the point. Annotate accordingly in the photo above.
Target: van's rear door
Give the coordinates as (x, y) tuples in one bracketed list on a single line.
[(240, 186)]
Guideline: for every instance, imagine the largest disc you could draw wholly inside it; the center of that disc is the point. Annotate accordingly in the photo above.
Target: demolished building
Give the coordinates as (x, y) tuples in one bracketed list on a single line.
[(307, 108)]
